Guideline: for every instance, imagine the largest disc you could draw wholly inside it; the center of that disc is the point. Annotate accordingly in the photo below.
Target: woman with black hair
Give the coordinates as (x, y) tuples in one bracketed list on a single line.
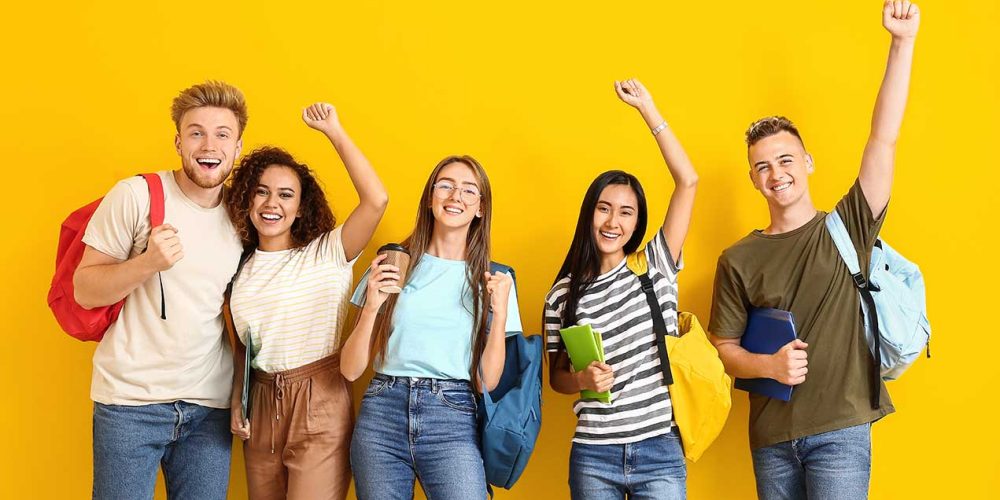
[(629, 446)]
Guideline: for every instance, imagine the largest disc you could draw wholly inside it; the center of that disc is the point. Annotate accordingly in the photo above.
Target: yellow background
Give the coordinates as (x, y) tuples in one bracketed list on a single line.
[(525, 87)]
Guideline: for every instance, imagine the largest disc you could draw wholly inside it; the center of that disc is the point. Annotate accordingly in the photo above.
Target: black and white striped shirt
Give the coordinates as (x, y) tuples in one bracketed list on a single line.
[(615, 306)]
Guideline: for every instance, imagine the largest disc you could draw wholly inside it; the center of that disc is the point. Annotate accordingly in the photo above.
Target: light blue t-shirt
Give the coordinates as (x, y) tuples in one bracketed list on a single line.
[(431, 332)]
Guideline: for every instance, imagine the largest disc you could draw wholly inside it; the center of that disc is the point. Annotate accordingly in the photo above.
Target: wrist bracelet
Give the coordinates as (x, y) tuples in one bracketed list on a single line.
[(659, 128)]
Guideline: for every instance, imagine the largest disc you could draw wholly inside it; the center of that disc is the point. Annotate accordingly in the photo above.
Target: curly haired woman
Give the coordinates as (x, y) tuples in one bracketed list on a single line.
[(290, 299)]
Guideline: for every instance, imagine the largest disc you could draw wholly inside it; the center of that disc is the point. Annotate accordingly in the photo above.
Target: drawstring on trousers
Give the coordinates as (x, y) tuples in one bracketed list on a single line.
[(279, 394)]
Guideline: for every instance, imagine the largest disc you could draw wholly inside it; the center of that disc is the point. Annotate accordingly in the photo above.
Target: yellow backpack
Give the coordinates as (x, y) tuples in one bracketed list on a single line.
[(700, 390)]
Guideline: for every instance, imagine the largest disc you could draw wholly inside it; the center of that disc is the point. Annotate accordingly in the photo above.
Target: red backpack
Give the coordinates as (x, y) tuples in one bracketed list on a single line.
[(89, 324)]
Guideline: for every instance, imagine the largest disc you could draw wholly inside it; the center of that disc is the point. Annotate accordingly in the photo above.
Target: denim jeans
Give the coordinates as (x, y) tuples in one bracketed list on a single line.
[(652, 469), (191, 442), (830, 465), (417, 428)]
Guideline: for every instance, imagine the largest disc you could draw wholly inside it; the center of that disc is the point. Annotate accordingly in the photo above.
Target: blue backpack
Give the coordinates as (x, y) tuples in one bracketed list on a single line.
[(510, 416), (893, 304)]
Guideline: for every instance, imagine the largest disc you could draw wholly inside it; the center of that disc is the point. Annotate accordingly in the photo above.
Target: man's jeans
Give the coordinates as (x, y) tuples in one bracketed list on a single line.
[(649, 469), (831, 465), (191, 442), (417, 428)]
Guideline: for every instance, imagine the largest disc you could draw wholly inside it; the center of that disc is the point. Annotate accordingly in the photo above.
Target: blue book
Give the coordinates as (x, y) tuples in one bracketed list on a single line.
[(247, 374), (767, 331)]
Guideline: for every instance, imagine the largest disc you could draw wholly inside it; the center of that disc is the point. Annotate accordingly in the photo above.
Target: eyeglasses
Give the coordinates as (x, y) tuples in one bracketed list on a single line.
[(468, 194)]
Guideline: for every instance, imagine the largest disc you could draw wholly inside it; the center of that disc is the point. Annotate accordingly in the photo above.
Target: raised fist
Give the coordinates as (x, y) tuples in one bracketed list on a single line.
[(498, 285), (321, 116), (633, 93), (901, 18)]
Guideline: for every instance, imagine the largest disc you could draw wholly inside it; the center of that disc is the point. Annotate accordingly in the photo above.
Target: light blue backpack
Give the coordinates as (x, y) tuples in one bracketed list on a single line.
[(898, 330)]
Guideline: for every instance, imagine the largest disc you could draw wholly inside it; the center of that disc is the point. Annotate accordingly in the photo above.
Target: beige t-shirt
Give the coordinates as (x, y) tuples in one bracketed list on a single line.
[(293, 302), (144, 359)]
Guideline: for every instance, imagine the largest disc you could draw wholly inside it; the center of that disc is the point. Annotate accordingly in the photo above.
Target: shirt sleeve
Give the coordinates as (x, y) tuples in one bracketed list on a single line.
[(121, 216), (553, 318), (335, 248), (513, 326), (861, 224), (729, 302), (659, 256)]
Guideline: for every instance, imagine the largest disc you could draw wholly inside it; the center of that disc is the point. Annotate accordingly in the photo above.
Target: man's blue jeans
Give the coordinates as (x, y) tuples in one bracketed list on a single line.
[(649, 469), (417, 428), (191, 442), (831, 465)]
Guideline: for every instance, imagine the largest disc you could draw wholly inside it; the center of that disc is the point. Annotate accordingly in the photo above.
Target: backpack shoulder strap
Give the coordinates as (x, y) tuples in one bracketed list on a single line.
[(227, 312), (838, 231), (156, 209), (841, 238), (156, 214), (496, 267), (637, 263)]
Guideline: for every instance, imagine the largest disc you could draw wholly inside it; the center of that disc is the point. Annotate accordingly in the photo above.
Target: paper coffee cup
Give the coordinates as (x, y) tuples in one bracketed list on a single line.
[(398, 256)]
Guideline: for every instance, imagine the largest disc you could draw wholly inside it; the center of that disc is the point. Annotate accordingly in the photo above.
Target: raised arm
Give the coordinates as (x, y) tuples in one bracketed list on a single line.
[(901, 19), (678, 218), (361, 223)]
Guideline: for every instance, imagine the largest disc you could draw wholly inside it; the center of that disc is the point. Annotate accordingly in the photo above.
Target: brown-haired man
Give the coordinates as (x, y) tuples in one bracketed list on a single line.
[(161, 386), (818, 444)]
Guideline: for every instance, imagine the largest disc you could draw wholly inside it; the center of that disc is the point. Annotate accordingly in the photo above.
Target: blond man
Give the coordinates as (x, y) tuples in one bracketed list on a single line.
[(163, 372)]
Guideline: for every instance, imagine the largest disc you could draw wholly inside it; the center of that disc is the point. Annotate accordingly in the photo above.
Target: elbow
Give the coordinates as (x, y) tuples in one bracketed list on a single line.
[(80, 295), (730, 369), (82, 301), (379, 202), (491, 384), (689, 181), (350, 373)]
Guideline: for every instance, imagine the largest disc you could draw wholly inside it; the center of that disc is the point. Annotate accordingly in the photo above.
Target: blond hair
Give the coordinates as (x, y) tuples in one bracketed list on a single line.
[(212, 93)]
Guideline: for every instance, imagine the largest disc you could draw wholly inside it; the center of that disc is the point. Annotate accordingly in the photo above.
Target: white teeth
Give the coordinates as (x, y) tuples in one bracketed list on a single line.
[(609, 235), (270, 216), (210, 161), (452, 210), (782, 187)]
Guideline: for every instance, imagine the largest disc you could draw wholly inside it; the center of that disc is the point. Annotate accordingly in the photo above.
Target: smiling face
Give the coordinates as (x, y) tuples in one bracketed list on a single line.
[(615, 219), (780, 168), (275, 206), (208, 143), (456, 198)]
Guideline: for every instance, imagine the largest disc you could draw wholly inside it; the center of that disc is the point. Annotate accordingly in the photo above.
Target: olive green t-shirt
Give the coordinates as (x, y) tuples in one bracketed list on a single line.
[(800, 271)]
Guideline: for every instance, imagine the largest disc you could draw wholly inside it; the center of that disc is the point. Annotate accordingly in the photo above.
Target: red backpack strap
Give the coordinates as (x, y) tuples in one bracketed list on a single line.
[(155, 185), (156, 210)]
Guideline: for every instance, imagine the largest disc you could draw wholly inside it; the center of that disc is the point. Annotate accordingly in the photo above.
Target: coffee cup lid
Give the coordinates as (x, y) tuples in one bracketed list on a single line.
[(396, 247)]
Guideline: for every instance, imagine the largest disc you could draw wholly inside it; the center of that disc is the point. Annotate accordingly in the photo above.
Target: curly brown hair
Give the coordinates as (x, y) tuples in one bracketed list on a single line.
[(315, 216)]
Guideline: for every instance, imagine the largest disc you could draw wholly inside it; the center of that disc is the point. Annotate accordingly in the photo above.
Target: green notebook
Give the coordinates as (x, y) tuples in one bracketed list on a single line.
[(584, 346)]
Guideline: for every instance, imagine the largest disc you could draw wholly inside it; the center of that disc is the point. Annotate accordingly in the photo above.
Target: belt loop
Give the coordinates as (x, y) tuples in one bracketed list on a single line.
[(435, 386)]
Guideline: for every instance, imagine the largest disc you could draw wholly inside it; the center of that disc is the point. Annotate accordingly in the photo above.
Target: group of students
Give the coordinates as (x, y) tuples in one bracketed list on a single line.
[(168, 387)]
